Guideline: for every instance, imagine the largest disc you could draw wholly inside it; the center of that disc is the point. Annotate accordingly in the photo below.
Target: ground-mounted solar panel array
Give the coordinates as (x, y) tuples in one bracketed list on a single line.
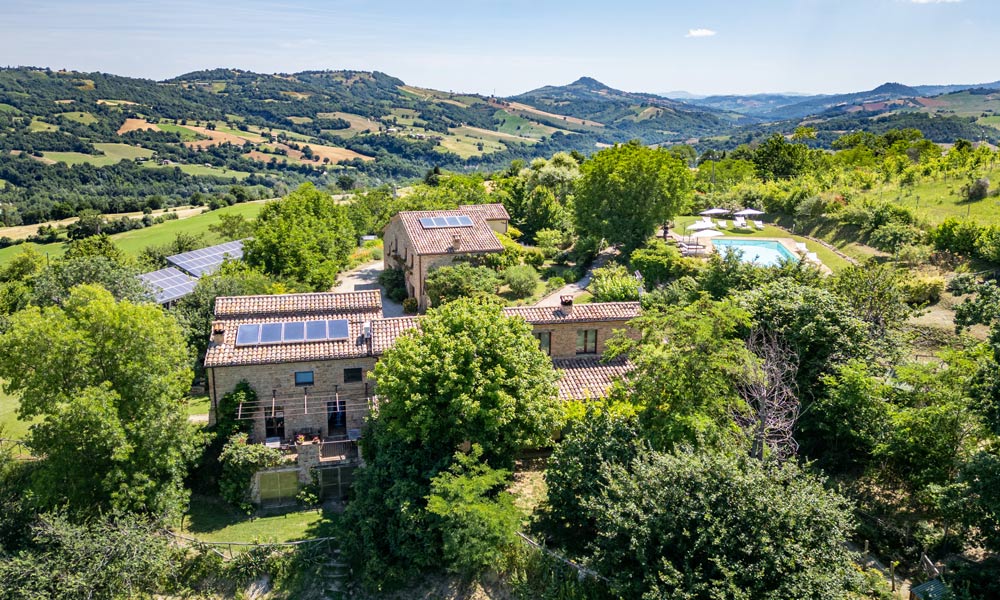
[(180, 278), (206, 260), (169, 284), (439, 222), (254, 334)]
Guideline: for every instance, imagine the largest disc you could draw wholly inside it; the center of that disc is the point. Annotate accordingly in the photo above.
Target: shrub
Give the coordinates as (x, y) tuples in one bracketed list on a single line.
[(923, 290), (448, 283), (914, 254), (550, 241), (893, 236), (659, 263), (240, 461), (410, 306), (958, 236), (613, 284), (522, 280), (988, 244), (394, 282), (534, 257), (585, 250), (554, 283), (511, 255), (974, 191)]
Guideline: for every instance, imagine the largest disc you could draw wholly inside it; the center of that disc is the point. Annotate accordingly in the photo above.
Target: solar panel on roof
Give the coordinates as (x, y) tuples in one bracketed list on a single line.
[(337, 329), (247, 335), (315, 330), (270, 333), (448, 221), (294, 332)]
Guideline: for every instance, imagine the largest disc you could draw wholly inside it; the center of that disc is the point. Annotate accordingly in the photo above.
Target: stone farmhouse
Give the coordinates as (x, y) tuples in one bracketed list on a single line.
[(417, 241), (309, 358)]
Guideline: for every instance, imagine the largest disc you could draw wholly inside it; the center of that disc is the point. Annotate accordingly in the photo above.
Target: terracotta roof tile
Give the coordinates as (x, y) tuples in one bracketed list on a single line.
[(385, 332), (227, 353), (490, 212), (598, 311), (584, 378), (360, 305), (478, 238)]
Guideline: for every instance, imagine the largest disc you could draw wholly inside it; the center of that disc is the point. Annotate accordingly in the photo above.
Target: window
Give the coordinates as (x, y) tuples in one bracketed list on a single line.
[(303, 378), (353, 375), (274, 423), (336, 416), (586, 341), (545, 341)]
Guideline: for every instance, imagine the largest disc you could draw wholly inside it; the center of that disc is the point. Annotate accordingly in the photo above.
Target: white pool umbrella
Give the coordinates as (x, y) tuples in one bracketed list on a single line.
[(749, 212), (707, 233), (701, 225), (714, 211)]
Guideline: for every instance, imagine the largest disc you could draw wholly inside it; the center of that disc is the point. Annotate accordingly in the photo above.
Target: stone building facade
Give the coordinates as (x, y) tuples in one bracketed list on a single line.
[(418, 241), (322, 389)]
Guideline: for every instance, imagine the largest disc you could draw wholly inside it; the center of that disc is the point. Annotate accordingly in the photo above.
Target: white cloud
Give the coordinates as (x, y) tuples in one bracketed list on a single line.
[(697, 33), (935, 1)]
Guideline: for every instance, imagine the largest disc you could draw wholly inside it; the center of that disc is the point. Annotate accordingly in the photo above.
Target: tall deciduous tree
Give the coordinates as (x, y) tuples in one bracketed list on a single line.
[(625, 191), (706, 526), (105, 379), (305, 237)]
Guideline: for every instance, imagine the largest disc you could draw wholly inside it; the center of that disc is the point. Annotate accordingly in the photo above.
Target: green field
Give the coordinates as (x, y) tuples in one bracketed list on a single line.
[(221, 127), (466, 146), (37, 125), (196, 170), (133, 242), (518, 125), (7, 108), (187, 135), (829, 257), (113, 154), (937, 200), (84, 118)]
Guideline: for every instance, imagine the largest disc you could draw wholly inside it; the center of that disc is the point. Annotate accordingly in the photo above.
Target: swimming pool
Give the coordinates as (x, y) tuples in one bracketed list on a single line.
[(766, 253)]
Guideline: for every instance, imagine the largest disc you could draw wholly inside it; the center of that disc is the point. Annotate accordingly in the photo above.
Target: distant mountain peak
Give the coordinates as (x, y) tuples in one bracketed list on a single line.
[(893, 87), (589, 82)]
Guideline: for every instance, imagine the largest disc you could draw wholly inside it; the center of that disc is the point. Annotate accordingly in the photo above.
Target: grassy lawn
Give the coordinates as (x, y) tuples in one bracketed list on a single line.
[(196, 170), (37, 125), (936, 200), (826, 255), (10, 426), (198, 405), (212, 520), (133, 242)]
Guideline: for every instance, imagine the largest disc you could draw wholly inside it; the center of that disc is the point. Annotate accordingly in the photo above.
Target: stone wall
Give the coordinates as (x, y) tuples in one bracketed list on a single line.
[(301, 412), (564, 336)]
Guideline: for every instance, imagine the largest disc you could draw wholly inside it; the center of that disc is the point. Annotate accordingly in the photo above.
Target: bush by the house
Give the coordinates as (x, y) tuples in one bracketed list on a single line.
[(240, 460), (613, 284), (522, 280)]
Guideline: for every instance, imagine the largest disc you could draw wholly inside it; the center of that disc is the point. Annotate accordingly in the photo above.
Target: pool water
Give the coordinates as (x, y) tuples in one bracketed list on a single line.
[(765, 253)]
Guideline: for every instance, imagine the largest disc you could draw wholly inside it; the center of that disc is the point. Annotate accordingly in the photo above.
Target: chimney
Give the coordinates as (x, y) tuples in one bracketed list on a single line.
[(218, 332), (566, 305), (456, 241), (367, 329)]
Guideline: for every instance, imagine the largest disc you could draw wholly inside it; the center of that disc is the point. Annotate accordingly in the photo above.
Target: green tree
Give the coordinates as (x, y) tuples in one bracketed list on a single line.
[(706, 526), (54, 284), (105, 559), (626, 191), (686, 363), (232, 226), (479, 521), (469, 374), (521, 279), (876, 294), (461, 280), (95, 245), (613, 283), (576, 473), (240, 460), (105, 380), (305, 237)]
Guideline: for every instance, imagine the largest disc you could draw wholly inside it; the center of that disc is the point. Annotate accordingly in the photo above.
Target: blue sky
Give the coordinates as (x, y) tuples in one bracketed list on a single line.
[(507, 47)]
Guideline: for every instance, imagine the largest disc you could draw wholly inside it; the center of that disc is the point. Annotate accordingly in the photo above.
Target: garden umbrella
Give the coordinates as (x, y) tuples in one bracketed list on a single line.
[(707, 233), (749, 212), (714, 211)]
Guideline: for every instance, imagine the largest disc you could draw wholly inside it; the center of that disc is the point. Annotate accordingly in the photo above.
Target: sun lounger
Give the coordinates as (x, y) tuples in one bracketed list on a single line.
[(801, 247), (759, 224), (812, 257), (723, 225)]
